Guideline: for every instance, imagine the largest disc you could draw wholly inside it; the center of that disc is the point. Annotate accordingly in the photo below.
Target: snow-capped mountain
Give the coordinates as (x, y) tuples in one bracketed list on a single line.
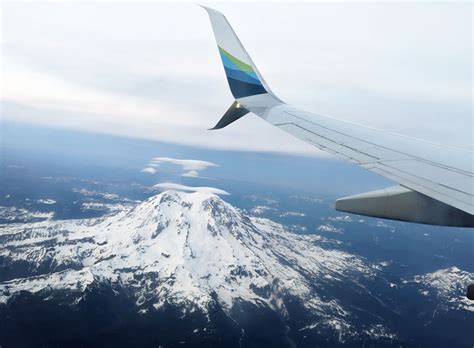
[(192, 250), (444, 283)]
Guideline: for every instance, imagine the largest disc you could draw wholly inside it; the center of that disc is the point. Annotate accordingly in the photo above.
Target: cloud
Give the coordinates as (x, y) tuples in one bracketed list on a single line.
[(186, 164), (178, 187), (46, 201), (149, 170), (190, 167), (191, 174)]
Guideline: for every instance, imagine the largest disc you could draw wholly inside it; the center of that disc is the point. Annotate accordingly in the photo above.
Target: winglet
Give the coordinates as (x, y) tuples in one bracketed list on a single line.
[(242, 75), (235, 112)]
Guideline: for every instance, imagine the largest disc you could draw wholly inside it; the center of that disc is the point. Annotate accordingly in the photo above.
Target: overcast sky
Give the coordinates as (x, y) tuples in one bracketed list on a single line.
[(153, 70)]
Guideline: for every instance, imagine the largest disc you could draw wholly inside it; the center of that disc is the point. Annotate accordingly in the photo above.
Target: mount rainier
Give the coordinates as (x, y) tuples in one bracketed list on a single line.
[(198, 255)]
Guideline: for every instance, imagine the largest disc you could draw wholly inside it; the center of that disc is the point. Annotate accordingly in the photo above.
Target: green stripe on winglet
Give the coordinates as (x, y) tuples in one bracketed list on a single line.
[(243, 66)]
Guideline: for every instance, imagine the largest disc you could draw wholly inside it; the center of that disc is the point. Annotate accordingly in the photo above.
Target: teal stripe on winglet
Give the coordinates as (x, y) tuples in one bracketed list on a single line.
[(231, 65)]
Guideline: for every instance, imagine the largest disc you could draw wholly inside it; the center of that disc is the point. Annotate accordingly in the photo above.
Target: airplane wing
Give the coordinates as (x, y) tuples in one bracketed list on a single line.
[(435, 183)]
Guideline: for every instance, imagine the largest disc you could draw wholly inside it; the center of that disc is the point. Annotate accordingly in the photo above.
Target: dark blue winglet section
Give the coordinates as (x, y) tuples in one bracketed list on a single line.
[(241, 89)]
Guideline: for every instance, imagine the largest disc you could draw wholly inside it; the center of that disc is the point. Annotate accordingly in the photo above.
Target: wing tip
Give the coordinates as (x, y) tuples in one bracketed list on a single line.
[(211, 11)]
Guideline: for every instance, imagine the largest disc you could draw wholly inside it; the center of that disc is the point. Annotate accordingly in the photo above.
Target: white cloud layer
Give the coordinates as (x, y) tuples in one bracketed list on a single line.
[(149, 170), (185, 164), (179, 187), (388, 65), (190, 167), (191, 174)]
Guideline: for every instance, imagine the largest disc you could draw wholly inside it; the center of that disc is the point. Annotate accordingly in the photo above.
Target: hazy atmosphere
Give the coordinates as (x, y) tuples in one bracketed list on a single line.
[(152, 70)]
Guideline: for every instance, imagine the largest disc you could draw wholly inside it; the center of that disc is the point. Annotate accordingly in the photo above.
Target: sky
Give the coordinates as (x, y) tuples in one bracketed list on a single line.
[(152, 70)]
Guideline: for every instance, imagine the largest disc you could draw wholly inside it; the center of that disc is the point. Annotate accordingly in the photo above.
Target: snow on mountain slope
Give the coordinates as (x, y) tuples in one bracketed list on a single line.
[(183, 248), (445, 284)]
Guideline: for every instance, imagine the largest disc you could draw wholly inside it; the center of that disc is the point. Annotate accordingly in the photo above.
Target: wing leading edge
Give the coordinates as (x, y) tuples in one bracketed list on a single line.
[(436, 182)]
